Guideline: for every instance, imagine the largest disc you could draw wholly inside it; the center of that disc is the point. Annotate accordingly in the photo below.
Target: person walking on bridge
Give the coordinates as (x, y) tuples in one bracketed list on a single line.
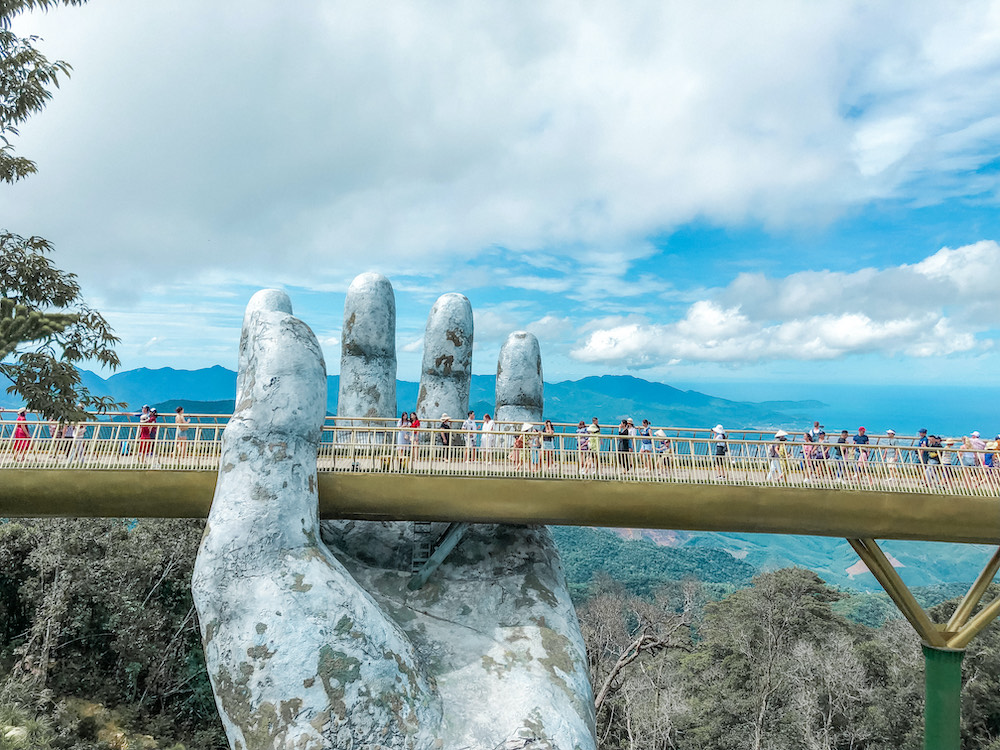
[(890, 454), (721, 449), (469, 428), (486, 442), (592, 458), (444, 437), (624, 444), (777, 453), (861, 439), (22, 438)]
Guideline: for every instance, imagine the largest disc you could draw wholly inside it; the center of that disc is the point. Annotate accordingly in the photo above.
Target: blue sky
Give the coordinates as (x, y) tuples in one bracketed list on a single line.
[(683, 191)]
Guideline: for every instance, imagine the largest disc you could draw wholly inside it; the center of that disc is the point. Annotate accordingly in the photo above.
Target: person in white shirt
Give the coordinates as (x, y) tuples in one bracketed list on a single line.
[(469, 428), (486, 442)]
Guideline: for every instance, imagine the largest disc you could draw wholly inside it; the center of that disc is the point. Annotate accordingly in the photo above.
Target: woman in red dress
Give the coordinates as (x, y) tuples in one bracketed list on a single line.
[(22, 438)]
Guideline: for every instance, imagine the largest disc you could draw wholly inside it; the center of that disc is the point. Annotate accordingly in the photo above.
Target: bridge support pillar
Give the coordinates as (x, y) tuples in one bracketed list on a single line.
[(943, 696)]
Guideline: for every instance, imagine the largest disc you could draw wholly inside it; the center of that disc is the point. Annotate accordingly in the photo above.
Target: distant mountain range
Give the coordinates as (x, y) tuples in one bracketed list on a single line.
[(609, 397)]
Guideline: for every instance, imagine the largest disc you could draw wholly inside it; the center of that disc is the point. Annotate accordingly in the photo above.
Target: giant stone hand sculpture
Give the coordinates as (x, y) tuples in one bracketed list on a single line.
[(320, 644)]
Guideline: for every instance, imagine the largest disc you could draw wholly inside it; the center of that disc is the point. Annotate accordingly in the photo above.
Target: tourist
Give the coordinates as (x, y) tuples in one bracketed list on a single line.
[(808, 447), (721, 449), (861, 467), (403, 439), (486, 441), (595, 442), (22, 438), (65, 436), (469, 428), (890, 454), (444, 437), (594, 431), (79, 446), (548, 442), (624, 444), (517, 453), (180, 438), (777, 453), (415, 437), (145, 437), (840, 453), (645, 445), (922, 442), (932, 459), (978, 445), (969, 456), (815, 430), (582, 447), (820, 455), (534, 444), (663, 449)]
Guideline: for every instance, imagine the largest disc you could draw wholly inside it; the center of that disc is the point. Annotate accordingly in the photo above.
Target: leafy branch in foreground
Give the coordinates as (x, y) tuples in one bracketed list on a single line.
[(46, 328)]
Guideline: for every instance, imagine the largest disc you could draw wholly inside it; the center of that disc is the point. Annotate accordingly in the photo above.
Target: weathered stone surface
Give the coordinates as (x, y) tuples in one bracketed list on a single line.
[(312, 645), (446, 372), (494, 626), (519, 379), (368, 349), (300, 656)]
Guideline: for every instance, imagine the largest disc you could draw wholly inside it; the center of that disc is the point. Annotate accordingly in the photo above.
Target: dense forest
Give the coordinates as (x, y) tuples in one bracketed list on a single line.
[(99, 649)]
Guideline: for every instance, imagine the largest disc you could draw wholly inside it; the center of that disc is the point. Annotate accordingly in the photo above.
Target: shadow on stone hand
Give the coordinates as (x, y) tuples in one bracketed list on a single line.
[(316, 643)]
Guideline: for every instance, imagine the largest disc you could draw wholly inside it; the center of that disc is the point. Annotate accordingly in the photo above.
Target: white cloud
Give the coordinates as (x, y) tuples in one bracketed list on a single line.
[(934, 308), (314, 145)]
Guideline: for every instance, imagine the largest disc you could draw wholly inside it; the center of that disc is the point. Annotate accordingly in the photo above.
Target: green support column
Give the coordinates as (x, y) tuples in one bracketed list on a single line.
[(943, 695)]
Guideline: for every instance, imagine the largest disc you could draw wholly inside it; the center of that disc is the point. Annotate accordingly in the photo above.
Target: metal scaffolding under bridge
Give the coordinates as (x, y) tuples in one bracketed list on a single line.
[(678, 478)]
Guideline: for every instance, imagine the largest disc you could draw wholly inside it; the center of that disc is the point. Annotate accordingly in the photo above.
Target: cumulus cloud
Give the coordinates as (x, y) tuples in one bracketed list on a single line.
[(940, 306), (320, 143)]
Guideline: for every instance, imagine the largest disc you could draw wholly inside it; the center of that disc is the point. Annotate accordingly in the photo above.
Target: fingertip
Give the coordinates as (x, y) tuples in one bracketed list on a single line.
[(519, 389), (269, 299)]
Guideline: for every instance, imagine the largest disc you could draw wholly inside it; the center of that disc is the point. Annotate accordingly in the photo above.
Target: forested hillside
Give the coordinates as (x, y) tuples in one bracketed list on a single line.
[(99, 648)]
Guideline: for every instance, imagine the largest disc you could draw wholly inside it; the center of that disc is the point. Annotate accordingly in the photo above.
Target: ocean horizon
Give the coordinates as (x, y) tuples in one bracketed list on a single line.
[(946, 410)]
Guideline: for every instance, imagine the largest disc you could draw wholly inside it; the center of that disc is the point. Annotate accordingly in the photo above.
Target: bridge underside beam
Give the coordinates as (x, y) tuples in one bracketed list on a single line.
[(844, 513), (961, 628)]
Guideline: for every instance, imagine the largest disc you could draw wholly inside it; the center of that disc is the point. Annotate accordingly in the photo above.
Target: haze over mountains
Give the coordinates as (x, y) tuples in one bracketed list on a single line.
[(608, 397)]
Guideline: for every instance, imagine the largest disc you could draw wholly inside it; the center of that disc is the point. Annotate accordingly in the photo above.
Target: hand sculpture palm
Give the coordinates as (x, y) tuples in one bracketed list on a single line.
[(319, 644)]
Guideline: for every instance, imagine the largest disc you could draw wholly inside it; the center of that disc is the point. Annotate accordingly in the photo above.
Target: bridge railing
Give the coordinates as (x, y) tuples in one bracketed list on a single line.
[(688, 455)]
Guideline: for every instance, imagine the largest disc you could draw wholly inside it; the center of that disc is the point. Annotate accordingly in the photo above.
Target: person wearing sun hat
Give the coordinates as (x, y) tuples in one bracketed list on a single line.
[(891, 453), (777, 452), (721, 449), (594, 431), (663, 448), (444, 436)]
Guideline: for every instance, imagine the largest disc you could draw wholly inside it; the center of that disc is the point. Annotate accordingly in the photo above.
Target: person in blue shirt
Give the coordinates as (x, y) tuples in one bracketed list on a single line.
[(862, 439)]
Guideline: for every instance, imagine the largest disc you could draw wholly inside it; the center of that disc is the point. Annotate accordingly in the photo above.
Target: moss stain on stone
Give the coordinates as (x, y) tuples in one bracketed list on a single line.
[(337, 670), (260, 726), (344, 625), (300, 584), (454, 335), (444, 364), (320, 720), (558, 659), (260, 652), (532, 583)]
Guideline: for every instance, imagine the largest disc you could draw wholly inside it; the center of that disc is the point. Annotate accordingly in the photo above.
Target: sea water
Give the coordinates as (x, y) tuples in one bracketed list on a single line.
[(946, 410)]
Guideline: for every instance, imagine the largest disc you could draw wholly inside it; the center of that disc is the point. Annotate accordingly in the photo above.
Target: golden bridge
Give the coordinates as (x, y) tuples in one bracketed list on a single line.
[(677, 478)]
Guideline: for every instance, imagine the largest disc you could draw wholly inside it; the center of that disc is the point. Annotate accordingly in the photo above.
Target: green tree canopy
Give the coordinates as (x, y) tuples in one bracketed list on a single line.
[(46, 327)]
